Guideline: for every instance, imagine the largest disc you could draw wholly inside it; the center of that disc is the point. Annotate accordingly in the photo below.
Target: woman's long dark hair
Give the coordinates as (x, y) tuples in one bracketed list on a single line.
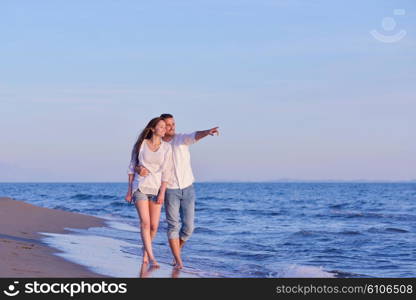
[(146, 133)]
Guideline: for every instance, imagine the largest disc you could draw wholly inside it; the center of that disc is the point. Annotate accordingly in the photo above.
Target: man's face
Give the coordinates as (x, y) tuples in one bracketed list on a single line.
[(170, 127)]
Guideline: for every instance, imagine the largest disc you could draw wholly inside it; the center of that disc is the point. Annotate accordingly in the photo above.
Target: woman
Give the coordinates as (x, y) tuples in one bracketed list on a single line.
[(151, 152)]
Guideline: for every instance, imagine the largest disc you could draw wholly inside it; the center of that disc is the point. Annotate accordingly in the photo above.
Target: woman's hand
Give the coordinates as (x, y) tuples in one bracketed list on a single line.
[(128, 197), (160, 199), (162, 192), (142, 171)]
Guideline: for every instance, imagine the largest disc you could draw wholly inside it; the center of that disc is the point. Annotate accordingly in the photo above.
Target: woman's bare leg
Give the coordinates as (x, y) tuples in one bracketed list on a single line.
[(142, 207), (155, 210)]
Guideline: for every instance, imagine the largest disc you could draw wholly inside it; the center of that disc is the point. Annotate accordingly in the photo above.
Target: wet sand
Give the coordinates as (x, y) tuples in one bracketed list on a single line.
[(22, 254)]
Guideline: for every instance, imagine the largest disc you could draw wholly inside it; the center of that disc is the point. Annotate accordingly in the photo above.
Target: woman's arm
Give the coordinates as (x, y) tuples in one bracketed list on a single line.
[(131, 173), (162, 191), (130, 188)]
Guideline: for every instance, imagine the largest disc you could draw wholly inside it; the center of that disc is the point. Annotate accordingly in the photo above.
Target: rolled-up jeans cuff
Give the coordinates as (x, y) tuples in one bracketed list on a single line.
[(173, 235), (185, 238)]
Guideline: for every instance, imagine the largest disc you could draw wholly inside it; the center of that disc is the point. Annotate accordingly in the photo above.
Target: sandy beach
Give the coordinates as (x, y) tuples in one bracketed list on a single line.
[(22, 254)]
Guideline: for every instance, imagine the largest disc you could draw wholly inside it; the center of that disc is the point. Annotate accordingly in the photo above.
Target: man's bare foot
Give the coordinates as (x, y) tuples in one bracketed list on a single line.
[(178, 264), (154, 264)]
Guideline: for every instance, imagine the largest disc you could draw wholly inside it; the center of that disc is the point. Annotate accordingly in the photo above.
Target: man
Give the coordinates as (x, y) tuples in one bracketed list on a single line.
[(180, 194)]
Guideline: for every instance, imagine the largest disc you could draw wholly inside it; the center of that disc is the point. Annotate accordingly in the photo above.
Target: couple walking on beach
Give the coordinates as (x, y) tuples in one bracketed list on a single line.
[(162, 161)]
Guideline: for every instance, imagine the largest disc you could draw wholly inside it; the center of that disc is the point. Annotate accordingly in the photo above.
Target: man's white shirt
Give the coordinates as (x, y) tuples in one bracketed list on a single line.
[(183, 176)]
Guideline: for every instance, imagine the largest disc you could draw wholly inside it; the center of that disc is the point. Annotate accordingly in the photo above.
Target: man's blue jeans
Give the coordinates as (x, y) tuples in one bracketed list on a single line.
[(180, 206)]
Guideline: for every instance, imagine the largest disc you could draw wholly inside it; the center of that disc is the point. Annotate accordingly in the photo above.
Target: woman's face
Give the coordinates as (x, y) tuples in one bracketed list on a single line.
[(160, 129)]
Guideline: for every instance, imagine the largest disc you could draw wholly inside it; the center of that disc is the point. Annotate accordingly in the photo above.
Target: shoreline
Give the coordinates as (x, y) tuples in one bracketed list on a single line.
[(39, 242), (22, 252)]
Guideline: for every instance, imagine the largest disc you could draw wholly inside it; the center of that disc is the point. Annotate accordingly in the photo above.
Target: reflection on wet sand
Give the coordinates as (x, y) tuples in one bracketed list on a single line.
[(175, 272), (146, 270), (149, 271)]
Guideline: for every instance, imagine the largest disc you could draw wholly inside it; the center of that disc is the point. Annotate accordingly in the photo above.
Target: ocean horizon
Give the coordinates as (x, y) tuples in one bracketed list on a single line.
[(244, 181)]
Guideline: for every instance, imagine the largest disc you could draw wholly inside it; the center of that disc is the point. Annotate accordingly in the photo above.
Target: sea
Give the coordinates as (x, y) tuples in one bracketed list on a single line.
[(246, 229)]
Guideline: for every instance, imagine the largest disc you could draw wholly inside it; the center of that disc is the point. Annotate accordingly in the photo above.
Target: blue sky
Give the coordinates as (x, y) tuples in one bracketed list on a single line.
[(300, 89)]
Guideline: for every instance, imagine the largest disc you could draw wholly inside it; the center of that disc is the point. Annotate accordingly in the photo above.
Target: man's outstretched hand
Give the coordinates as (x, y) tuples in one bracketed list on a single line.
[(213, 131), (201, 134)]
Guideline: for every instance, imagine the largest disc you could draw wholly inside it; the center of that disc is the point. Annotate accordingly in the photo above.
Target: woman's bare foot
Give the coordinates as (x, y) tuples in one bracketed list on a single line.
[(145, 257)]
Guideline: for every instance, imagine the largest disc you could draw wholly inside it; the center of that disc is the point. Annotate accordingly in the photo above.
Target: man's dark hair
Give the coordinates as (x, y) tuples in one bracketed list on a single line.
[(166, 116)]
